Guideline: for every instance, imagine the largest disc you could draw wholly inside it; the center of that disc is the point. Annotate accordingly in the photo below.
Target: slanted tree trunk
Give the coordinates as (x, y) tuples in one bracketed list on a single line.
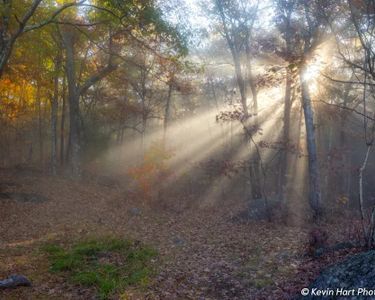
[(254, 163), (240, 83), (236, 59), (252, 85), (8, 38), (314, 179)]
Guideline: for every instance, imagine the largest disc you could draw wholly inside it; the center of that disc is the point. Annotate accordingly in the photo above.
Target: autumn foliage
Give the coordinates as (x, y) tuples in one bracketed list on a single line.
[(154, 169)]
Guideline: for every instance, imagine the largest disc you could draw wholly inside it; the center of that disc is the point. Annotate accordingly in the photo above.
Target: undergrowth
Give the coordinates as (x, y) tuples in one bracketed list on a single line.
[(109, 265)]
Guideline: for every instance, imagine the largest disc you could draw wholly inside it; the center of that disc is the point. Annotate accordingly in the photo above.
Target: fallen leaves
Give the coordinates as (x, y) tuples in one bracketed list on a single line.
[(203, 254)]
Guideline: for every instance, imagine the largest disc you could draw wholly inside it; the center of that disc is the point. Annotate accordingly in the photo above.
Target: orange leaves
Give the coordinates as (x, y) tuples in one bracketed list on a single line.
[(15, 97), (153, 170)]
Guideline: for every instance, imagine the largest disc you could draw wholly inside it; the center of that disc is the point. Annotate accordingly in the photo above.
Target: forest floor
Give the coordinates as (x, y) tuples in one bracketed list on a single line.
[(202, 254)]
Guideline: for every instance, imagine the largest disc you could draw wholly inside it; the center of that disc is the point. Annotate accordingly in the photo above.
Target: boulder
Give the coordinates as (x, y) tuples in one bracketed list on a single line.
[(353, 278), (23, 197), (178, 241), (14, 281), (257, 210), (135, 211)]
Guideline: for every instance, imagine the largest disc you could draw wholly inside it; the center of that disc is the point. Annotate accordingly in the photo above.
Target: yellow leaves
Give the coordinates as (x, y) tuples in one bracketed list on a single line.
[(16, 90), (15, 97), (342, 199), (157, 154)]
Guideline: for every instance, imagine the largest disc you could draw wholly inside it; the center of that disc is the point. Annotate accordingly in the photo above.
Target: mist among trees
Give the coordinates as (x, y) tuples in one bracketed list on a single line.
[(186, 149)]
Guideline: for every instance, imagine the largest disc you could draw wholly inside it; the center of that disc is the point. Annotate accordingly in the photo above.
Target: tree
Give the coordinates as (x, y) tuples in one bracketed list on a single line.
[(75, 91), (119, 23), (13, 26), (54, 109), (237, 20), (311, 37), (285, 9)]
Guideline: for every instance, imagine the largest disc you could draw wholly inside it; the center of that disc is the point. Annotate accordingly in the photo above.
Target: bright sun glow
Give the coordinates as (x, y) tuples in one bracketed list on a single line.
[(316, 66)]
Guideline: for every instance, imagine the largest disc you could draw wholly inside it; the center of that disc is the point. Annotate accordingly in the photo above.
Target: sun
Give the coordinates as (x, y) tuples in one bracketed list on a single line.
[(315, 65), (312, 72), (310, 76)]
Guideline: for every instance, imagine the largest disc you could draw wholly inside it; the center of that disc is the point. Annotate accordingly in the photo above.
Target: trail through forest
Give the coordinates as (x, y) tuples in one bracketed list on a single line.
[(202, 255)]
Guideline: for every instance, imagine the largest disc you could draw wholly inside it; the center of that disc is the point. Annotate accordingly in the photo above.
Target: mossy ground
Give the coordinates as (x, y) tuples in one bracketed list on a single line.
[(110, 265)]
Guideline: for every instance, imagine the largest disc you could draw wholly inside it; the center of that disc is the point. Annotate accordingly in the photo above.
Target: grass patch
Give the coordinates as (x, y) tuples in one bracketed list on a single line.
[(110, 265)]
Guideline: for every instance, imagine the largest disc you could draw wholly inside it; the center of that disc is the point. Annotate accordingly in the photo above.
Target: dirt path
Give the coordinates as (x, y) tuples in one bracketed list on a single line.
[(202, 256)]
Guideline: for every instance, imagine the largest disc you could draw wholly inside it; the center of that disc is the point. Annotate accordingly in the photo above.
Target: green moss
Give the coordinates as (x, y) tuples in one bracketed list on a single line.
[(124, 264), (66, 262), (52, 249), (262, 282)]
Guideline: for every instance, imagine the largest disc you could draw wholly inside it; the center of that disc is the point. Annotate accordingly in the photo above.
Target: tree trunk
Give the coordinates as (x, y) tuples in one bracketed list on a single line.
[(236, 59), (62, 126), (54, 107), (361, 198), (240, 83), (166, 114), (286, 138), (314, 180), (40, 126), (253, 88), (73, 96), (7, 37), (254, 163)]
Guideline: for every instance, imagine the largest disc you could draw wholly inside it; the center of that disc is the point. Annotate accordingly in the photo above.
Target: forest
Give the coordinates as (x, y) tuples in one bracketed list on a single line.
[(187, 149)]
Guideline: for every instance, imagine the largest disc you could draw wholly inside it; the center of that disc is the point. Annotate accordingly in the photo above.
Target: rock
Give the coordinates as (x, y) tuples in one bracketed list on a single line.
[(7, 184), (355, 273), (4, 196), (14, 281), (284, 255), (342, 246), (178, 241), (23, 197), (134, 211), (257, 210), (337, 247)]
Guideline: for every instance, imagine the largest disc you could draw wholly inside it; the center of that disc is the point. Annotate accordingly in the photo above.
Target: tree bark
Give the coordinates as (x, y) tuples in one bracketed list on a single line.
[(8, 38), (73, 97), (40, 125), (62, 124), (236, 59), (314, 180), (167, 113), (286, 138), (254, 163), (54, 108), (75, 91), (360, 198)]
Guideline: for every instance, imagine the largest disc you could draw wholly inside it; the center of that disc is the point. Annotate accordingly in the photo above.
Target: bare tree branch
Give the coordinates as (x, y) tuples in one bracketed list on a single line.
[(53, 16)]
